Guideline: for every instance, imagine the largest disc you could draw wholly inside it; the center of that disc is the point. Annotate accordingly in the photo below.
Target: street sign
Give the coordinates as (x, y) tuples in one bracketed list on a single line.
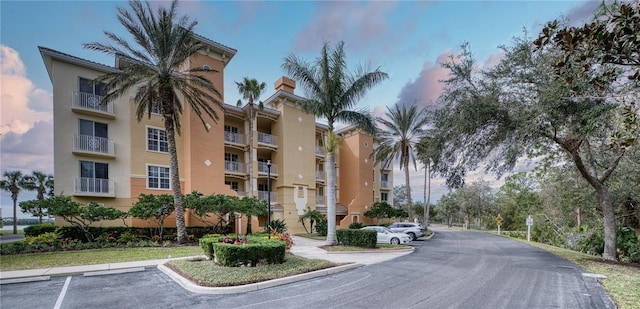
[(529, 221), (499, 220), (529, 224)]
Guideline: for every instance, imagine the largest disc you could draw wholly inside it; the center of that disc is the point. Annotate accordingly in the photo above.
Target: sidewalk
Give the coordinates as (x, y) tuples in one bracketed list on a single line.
[(304, 247)]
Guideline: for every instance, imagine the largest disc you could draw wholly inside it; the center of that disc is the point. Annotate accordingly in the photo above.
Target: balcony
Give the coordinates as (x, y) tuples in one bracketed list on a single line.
[(263, 196), (320, 176), (232, 167), (268, 140), (234, 139), (93, 145), (88, 103), (320, 200), (263, 169), (386, 185), (83, 186), (320, 151)]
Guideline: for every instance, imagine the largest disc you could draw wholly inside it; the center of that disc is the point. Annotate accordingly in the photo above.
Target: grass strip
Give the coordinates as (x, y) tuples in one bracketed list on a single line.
[(95, 256), (207, 273)]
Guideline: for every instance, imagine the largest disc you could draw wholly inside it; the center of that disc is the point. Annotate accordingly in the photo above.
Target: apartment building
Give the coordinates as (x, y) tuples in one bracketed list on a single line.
[(103, 154)]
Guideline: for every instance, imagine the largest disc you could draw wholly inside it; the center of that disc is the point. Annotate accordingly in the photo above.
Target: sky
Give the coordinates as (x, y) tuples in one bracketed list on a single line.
[(406, 39)]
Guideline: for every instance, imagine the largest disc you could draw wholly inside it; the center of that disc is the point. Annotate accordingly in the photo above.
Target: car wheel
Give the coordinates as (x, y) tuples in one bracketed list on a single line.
[(412, 235), (395, 241)]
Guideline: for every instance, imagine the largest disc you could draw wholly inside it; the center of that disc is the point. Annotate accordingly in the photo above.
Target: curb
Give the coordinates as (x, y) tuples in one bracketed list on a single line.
[(192, 287)]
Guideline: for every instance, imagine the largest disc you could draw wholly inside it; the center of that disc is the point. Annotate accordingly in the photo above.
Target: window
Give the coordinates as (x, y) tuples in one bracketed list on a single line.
[(93, 136), (232, 184), (373, 172), (384, 196), (158, 177), (157, 140), (231, 134), (231, 162), (92, 128), (384, 177), (94, 177), (231, 157), (87, 86), (156, 108)]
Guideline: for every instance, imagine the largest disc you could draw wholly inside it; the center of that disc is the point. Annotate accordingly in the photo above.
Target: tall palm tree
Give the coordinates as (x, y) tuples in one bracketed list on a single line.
[(402, 130), (41, 183), (13, 181), (154, 69), (427, 153), (332, 93), (250, 89)]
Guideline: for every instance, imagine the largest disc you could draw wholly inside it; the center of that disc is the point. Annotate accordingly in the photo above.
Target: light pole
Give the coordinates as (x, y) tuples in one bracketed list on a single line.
[(269, 199)]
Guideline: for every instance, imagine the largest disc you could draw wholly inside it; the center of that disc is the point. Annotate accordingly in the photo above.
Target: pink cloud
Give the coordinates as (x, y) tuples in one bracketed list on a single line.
[(350, 21), (22, 103), (425, 89)]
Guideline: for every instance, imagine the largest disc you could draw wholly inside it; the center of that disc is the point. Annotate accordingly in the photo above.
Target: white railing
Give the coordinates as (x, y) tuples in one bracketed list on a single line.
[(233, 138), (90, 101), (386, 184), (93, 144), (268, 139), (320, 151), (319, 199), (93, 185), (264, 196), (235, 167), (320, 175), (263, 168)]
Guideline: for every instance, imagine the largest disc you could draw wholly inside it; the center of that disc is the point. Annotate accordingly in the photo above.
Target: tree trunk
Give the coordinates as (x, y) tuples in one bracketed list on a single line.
[(175, 180), (609, 224), (15, 215), (427, 206), (331, 199), (406, 179)]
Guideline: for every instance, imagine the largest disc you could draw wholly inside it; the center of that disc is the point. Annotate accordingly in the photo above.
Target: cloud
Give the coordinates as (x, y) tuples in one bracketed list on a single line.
[(582, 13), (22, 104), (349, 21), (426, 88)]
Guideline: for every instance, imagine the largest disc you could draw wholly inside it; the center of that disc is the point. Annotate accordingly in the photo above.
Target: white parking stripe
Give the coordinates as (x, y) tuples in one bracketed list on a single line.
[(62, 293)]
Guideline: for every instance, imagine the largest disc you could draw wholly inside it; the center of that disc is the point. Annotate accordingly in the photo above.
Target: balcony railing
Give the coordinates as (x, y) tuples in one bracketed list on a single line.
[(386, 184), (234, 167), (91, 102), (319, 199), (263, 196), (93, 186), (95, 144), (320, 175), (320, 151), (264, 138), (262, 168), (235, 138)]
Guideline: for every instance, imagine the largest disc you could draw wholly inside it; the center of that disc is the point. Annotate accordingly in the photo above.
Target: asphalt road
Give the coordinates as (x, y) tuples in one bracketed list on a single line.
[(454, 269)]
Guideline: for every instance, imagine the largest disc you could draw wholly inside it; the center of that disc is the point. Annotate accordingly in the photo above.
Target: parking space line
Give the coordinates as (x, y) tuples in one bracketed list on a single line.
[(62, 293)]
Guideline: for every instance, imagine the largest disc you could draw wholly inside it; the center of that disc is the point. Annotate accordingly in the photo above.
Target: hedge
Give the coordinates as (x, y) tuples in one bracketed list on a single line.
[(358, 238), (256, 250)]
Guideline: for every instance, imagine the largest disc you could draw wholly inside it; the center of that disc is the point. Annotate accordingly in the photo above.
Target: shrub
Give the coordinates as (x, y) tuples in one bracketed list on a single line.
[(358, 238), (277, 226), (127, 238), (286, 238), (265, 251), (321, 227), (39, 229), (356, 225), (50, 238)]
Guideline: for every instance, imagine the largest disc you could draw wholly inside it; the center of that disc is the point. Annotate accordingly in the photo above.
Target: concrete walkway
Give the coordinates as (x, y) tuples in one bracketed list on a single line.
[(304, 247)]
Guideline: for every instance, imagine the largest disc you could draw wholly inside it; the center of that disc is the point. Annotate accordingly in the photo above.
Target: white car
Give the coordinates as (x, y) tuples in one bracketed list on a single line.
[(386, 236)]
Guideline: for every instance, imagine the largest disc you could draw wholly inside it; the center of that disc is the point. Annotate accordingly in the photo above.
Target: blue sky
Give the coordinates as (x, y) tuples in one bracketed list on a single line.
[(406, 39)]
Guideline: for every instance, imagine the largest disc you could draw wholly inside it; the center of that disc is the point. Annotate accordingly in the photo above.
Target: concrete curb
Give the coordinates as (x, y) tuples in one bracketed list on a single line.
[(192, 287)]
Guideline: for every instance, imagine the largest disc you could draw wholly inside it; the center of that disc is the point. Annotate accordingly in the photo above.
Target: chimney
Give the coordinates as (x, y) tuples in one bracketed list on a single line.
[(285, 84)]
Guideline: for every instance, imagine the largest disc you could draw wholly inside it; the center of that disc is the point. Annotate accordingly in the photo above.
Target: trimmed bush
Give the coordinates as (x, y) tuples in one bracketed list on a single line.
[(267, 251), (39, 229), (321, 227), (358, 238)]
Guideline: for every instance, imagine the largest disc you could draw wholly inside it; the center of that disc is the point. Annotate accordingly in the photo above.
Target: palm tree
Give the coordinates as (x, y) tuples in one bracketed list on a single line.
[(13, 181), (332, 93), (250, 89), (402, 130), (42, 184), (427, 153), (155, 69)]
